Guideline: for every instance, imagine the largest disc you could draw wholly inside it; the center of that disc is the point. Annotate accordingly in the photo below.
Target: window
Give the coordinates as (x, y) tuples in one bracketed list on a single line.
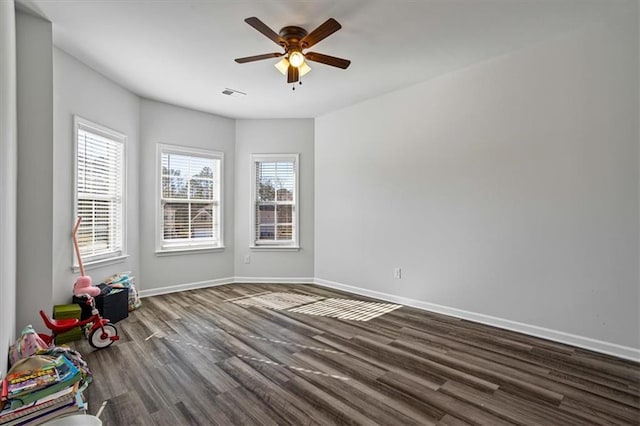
[(190, 208), (275, 198), (99, 191)]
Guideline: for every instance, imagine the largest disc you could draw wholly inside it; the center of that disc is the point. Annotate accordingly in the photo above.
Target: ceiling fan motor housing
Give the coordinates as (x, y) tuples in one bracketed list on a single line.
[(292, 36)]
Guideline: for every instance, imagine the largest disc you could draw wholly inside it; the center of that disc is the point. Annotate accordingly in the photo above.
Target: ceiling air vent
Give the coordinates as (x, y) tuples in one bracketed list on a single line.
[(233, 93)]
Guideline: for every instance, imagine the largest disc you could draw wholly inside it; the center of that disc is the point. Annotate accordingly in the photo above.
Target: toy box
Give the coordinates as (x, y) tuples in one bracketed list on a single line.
[(66, 312), (113, 306)]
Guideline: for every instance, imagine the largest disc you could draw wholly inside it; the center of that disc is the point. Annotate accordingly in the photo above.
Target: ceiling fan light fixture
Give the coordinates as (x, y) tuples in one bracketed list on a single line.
[(304, 68), (296, 58), (282, 66)]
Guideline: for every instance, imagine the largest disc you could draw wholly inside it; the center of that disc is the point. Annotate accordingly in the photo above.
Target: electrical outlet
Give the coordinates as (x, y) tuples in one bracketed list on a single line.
[(397, 272), (247, 258)]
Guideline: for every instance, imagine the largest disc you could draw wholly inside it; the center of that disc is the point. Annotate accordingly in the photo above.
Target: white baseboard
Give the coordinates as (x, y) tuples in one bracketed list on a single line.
[(608, 348), (184, 287), (271, 280)]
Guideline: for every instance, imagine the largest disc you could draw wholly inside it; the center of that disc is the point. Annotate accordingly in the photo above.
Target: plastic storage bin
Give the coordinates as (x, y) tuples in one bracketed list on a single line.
[(113, 306)]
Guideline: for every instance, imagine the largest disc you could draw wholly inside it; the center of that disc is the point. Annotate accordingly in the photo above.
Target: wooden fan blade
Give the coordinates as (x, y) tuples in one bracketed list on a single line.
[(329, 27), (292, 74), (258, 57), (264, 29), (327, 60)]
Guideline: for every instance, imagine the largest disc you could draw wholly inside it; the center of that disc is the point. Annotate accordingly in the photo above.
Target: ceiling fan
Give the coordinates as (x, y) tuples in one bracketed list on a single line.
[(294, 40)]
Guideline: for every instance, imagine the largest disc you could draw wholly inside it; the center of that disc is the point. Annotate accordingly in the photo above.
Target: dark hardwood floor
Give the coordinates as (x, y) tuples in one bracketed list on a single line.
[(192, 358)]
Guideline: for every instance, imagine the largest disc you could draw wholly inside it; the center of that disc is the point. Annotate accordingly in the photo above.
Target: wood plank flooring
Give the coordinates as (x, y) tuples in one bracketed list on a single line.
[(192, 358)]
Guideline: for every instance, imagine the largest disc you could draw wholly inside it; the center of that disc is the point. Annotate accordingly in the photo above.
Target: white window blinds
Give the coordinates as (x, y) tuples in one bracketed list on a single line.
[(99, 191), (190, 199), (275, 200)]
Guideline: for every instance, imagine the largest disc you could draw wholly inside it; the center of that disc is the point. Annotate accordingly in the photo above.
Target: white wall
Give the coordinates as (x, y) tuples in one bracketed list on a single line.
[(35, 168), (508, 189), (163, 123), (8, 179), (265, 137), (79, 90)]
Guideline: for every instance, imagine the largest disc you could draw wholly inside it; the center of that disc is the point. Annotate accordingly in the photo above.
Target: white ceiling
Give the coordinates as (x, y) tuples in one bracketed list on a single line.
[(182, 52)]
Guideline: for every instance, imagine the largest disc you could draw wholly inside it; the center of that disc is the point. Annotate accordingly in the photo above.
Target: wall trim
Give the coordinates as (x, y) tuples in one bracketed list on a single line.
[(183, 287), (600, 346), (272, 280)]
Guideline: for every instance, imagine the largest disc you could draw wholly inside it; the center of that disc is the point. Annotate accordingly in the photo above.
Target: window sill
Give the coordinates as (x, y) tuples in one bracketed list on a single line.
[(187, 250), (274, 248), (100, 263)]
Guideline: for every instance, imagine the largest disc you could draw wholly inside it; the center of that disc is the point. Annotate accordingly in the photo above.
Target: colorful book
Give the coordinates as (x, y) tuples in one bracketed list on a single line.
[(68, 374), (24, 382), (64, 367), (46, 404), (41, 416)]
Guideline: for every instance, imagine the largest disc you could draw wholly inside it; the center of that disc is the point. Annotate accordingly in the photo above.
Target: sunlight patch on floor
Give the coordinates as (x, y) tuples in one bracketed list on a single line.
[(346, 309), (277, 300)]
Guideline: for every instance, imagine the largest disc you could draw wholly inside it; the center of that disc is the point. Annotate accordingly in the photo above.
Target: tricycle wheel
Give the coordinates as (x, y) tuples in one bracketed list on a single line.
[(99, 339)]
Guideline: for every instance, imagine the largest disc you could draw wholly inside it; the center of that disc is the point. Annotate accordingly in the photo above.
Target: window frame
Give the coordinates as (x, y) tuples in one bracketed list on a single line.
[(294, 243), (176, 248), (115, 256)]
